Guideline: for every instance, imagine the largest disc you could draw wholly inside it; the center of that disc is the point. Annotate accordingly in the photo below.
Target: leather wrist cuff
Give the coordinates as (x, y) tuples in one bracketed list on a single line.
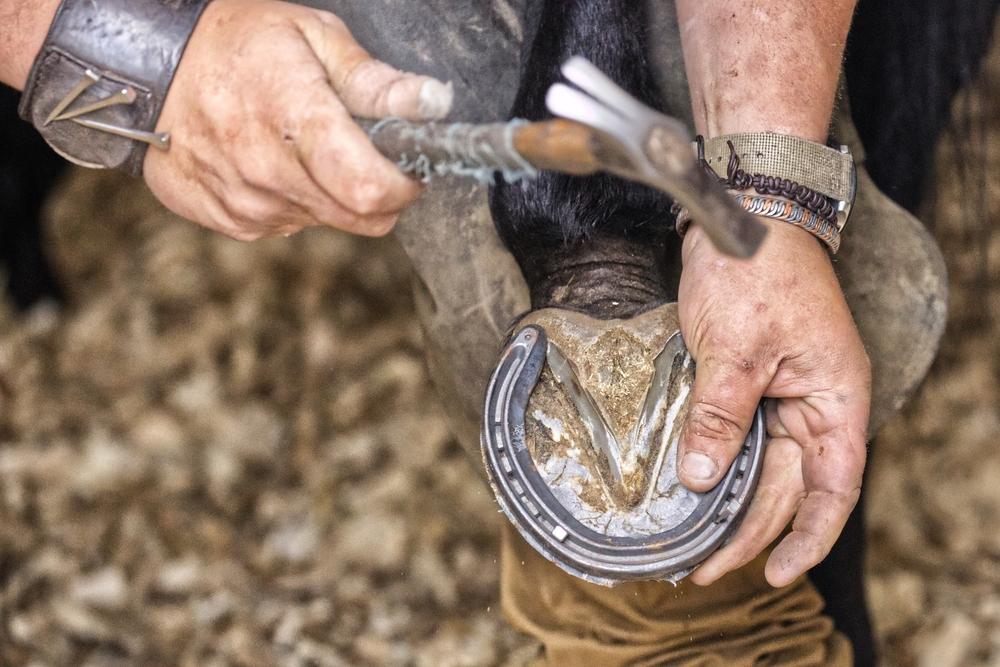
[(827, 171), (98, 85)]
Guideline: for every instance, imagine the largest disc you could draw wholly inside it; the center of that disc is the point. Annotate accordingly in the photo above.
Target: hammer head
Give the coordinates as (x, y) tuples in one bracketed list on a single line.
[(643, 145)]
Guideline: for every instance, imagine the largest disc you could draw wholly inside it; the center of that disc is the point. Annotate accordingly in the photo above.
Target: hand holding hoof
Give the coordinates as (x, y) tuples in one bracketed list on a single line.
[(775, 327)]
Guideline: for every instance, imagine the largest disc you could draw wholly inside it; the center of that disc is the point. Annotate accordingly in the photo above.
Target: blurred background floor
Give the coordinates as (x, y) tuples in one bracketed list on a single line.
[(222, 453), (934, 478)]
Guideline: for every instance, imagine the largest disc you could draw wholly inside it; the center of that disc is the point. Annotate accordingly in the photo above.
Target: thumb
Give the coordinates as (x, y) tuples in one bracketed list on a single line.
[(370, 88), (722, 407)]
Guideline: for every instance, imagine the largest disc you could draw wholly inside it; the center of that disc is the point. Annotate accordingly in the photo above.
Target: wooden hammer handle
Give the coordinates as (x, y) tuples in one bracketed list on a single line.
[(559, 145), (426, 148)]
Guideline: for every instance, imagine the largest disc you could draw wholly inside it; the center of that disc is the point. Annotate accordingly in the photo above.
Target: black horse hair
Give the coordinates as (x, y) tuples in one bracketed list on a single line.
[(559, 210)]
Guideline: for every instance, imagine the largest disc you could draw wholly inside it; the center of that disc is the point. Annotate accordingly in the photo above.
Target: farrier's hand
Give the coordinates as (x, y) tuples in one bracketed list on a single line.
[(775, 326), (260, 118)]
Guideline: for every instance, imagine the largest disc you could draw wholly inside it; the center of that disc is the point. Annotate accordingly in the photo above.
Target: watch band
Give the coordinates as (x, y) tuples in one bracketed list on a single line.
[(779, 208), (828, 171), (97, 87)]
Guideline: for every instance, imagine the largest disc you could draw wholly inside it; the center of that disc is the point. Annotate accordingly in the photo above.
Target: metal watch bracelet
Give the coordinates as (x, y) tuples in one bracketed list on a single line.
[(97, 87)]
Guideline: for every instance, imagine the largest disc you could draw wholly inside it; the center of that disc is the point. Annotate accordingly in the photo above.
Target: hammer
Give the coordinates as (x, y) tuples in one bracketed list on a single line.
[(598, 128)]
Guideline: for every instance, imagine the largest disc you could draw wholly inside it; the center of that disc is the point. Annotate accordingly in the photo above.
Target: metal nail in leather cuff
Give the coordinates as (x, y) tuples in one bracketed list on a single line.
[(829, 171), (98, 85)]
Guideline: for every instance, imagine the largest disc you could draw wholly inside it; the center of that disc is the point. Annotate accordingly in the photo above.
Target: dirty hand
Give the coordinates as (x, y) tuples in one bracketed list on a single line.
[(775, 326), (260, 118)]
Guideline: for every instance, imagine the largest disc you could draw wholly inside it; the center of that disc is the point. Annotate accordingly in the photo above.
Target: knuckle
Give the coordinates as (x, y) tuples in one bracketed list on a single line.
[(329, 216), (287, 230), (232, 225), (745, 553), (368, 196), (247, 235), (382, 225), (241, 231), (330, 21), (257, 173), (254, 209), (713, 422), (375, 226), (316, 25), (741, 551), (222, 223), (237, 231), (769, 495), (364, 80)]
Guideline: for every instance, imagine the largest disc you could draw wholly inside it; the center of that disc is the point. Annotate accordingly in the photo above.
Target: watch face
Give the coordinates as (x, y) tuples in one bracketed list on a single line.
[(845, 206), (580, 435)]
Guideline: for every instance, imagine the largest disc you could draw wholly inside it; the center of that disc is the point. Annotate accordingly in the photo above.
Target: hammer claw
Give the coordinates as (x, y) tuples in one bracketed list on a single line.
[(599, 86), (657, 151)]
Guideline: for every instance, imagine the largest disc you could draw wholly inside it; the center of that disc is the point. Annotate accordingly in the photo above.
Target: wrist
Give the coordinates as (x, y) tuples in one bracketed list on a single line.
[(790, 236), (782, 239), (751, 118), (98, 83), (22, 32)]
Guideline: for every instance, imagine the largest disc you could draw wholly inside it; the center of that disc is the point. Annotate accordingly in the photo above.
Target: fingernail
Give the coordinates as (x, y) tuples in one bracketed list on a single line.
[(435, 99), (699, 467)]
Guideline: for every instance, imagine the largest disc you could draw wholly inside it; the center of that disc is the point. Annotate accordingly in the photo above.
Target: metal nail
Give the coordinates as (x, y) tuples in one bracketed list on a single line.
[(159, 140), (124, 96), (89, 79)]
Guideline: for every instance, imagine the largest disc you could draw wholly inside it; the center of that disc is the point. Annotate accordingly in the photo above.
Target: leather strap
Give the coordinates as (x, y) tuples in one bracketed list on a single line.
[(826, 170), (103, 51)]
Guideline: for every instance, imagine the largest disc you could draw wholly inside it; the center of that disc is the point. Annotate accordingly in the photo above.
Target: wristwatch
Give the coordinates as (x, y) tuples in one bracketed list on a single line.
[(97, 87), (830, 172)]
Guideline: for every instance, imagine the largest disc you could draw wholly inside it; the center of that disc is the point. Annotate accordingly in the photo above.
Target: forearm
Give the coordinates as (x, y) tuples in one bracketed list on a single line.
[(23, 26), (763, 65)]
